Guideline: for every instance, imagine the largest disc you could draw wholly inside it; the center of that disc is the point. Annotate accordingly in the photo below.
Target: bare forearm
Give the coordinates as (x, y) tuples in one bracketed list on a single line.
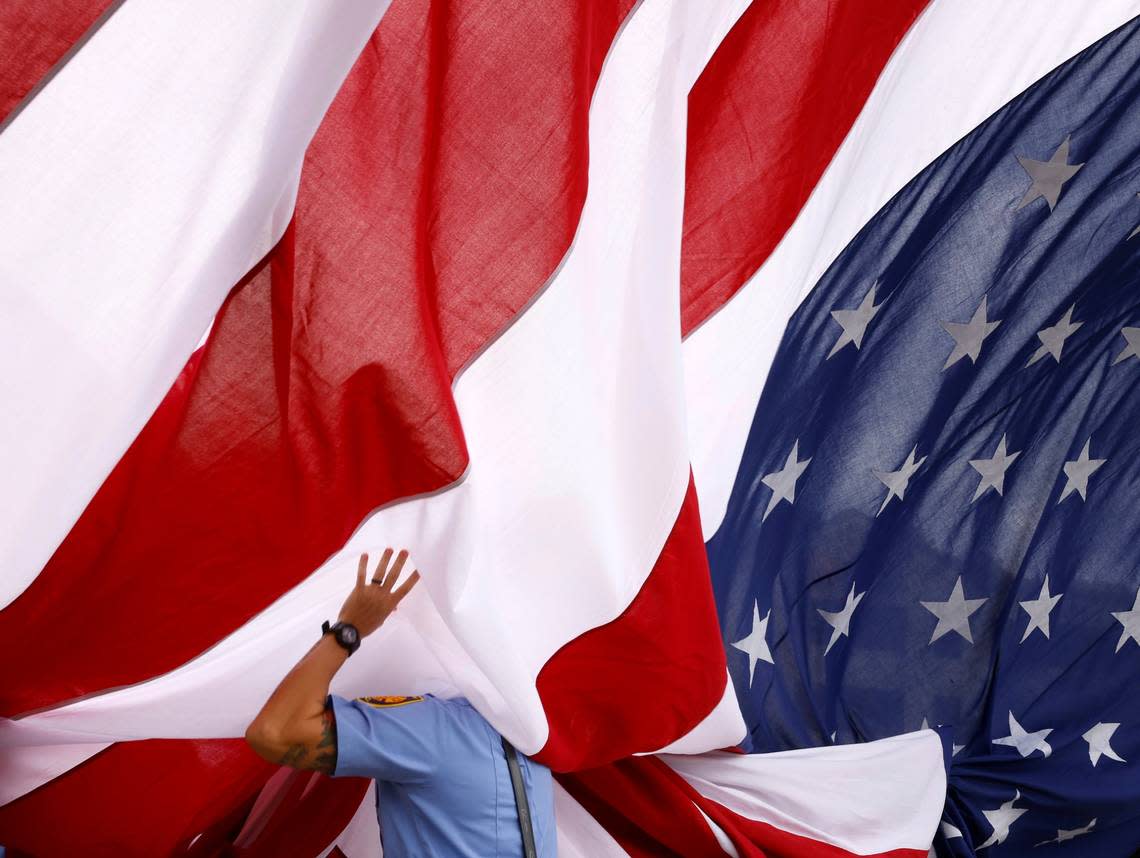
[(293, 728)]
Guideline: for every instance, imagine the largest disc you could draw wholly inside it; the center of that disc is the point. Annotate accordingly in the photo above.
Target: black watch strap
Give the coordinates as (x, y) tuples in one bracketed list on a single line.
[(345, 634)]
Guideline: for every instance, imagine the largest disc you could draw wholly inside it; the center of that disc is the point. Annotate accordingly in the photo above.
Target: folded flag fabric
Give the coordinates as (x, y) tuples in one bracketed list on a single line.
[(711, 413), (930, 524)]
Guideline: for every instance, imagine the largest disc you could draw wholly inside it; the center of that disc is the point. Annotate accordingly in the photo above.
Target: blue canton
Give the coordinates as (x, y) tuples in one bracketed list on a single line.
[(937, 516)]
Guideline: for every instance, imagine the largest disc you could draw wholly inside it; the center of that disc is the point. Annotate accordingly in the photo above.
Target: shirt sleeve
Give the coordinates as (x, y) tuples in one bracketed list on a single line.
[(391, 741)]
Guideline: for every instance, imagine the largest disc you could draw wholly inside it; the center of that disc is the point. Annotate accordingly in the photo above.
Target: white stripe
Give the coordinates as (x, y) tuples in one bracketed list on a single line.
[(24, 768), (962, 60), (575, 424), (217, 694), (574, 418), (865, 798), (724, 356), (139, 185)]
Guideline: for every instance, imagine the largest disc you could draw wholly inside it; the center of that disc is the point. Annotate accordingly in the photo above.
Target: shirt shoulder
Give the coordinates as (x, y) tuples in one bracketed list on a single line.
[(388, 738)]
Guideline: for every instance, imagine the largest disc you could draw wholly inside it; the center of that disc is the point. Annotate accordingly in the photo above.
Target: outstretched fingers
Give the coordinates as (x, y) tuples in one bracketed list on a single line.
[(361, 570), (386, 577), (394, 573), (382, 567), (400, 592)]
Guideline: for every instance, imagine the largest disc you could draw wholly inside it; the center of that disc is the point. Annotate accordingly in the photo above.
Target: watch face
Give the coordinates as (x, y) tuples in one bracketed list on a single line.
[(348, 635)]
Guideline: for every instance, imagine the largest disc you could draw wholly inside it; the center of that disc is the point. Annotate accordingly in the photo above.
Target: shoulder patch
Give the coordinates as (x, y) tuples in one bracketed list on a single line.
[(386, 701)]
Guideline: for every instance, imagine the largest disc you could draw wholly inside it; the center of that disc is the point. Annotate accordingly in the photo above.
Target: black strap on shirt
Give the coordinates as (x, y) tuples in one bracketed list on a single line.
[(521, 803)]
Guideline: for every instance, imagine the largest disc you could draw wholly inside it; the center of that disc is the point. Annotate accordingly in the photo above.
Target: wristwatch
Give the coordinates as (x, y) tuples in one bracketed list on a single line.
[(345, 633)]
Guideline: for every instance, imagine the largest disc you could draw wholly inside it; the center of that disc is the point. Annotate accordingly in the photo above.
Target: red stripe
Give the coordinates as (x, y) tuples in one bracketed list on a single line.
[(171, 797), (643, 809), (442, 189), (765, 119), (650, 810), (736, 210), (309, 811), (651, 675), (119, 803), (434, 175)]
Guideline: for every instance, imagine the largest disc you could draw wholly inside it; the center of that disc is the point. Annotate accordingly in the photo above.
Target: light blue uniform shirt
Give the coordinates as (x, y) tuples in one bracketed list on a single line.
[(442, 782)]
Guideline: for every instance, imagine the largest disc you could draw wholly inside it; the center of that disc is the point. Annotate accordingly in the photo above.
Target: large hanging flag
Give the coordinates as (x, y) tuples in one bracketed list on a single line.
[(931, 524), (476, 310)]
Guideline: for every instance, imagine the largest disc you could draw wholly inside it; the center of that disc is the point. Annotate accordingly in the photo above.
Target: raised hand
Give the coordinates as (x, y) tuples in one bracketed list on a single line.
[(371, 602)]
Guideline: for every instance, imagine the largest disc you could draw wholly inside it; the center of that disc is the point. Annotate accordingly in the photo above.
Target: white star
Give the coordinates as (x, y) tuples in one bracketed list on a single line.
[(1001, 819), (953, 614), (783, 482), (897, 481), (1078, 471), (950, 831), (854, 322), (755, 644), (1038, 610), (1025, 743), (969, 336), (1099, 738), (1132, 337), (1048, 176), (840, 621), (1064, 834), (993, 470), (1053, 338), (1131, 622)]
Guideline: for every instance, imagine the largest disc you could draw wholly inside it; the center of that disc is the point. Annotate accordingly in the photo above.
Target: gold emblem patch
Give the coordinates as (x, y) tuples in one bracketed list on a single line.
[(387, 701)]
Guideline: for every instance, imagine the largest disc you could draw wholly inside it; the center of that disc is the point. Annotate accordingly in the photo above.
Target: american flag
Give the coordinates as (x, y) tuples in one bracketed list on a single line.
[(742, 376), (934, 518)]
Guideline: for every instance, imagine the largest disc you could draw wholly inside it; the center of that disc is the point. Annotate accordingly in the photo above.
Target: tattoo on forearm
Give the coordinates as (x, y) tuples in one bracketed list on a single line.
[(294, 757), (320, 757), (326, 747)]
